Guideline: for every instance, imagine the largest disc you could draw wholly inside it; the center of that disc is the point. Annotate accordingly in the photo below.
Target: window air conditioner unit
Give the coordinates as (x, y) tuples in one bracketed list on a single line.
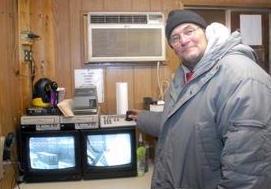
[(125, 37)]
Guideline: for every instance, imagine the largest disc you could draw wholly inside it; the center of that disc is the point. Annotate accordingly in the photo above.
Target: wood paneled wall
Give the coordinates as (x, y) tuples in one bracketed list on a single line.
[(9, 78)]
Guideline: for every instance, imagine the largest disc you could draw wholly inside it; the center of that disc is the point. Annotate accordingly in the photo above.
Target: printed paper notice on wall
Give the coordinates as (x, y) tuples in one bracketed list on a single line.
[(251, 29), (87, 77)]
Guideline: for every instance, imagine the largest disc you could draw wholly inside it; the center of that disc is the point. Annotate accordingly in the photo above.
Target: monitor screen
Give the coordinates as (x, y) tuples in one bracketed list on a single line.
[(50, 155), (52, 152), (108, 152), (109, 149)]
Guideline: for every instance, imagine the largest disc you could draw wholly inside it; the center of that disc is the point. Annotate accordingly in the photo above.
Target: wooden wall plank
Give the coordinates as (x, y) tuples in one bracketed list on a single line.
[(118, 5), (24, 15), (142, 82), (10, 103), (43, 49), (169, 5), (76, 41), (92, 5), (9, 79), (141, 5), (13, 108), (3, 59), (156, 5), (4, 65), (25, 67), (112, 76), (62, 42)]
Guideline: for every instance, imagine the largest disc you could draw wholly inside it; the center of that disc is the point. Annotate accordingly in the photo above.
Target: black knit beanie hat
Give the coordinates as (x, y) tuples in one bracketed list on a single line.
[(177, 17)]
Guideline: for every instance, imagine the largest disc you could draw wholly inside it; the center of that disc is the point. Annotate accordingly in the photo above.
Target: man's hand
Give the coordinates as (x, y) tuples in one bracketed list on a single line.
[(132, 115)]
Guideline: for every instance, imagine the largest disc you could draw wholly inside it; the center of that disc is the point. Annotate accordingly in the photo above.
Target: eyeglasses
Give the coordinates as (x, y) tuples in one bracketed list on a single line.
[(187, 34)]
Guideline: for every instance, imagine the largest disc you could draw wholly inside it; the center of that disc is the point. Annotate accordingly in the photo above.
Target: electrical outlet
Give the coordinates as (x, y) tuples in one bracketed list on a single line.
[(2, 142), (27, 55)]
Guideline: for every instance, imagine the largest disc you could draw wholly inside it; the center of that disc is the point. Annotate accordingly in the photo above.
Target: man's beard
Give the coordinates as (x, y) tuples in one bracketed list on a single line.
[(191, 63)]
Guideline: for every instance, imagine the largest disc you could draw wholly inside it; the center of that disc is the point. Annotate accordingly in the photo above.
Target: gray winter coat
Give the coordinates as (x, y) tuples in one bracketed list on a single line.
[(215, 131)]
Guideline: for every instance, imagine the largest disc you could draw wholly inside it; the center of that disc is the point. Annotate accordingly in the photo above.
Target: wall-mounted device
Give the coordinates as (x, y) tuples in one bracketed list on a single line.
[(125, 36)]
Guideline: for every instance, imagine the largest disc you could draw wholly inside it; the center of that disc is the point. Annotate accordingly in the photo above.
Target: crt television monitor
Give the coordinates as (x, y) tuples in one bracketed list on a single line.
[(108, 153), (50, 155)]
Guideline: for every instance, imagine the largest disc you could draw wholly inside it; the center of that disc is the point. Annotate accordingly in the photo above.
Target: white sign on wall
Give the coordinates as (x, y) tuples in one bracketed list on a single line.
[(251, 29)]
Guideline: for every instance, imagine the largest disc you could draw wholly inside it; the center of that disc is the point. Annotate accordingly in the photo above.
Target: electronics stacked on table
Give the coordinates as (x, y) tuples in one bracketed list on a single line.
[(85, 100), (79, 145), (44, 98), (58, 148), (93, 121)]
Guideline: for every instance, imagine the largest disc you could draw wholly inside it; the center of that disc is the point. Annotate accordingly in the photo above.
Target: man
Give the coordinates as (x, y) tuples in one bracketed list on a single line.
[(215, 130)]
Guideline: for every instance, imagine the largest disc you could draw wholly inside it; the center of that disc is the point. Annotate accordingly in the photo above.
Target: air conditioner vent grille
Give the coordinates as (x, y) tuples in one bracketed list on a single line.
[(125, 37), (118, 19)]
